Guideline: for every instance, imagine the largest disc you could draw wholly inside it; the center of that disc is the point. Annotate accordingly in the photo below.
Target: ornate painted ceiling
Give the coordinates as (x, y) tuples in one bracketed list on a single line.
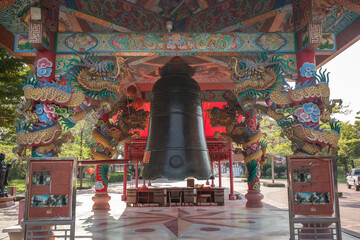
[(98, 19), (185, 15)]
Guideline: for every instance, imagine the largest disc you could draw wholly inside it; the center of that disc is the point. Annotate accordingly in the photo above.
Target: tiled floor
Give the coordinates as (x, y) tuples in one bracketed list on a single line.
[(190, 223), (232, 221)]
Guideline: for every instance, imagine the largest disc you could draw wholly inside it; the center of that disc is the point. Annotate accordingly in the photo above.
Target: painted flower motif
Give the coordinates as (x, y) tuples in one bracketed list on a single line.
[(99, 185), (39, 109), (46, 113), (50, 112), (309, 112), (43, 72), (44, 63), (308, 70), (41, 114), (301, 115)]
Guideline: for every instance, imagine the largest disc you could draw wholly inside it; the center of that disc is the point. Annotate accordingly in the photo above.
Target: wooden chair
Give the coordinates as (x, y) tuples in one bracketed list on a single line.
[(143, 193), (131, 197), (159, 196), (175, 194), (205, 193), (188, 196), (219, 196)]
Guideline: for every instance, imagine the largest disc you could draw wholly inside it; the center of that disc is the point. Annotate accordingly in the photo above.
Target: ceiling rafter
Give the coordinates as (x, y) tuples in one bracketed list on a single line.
[(213, 60), (273, 24), (145, 3), (83, 24), (350, 4), (118, 12), (343, 41), (96, 20), (75, 25), (226, 15), (207, 3), (7, 40)]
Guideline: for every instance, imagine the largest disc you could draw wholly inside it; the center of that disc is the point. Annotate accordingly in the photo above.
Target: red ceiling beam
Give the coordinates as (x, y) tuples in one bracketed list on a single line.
[(7, 40), (5, 3), (105, 162)]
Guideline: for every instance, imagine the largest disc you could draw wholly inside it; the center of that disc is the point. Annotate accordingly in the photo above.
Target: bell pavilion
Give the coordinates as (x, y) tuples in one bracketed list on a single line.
[(182, 84)]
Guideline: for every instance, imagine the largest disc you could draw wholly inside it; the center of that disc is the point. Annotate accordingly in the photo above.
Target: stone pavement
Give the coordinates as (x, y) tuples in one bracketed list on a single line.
[(350, 210), (275, 202), (8, 217)]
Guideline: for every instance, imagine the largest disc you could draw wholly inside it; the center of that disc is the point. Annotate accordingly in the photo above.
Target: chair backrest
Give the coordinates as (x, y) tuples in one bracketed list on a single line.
[(142, 189), (175, 193)]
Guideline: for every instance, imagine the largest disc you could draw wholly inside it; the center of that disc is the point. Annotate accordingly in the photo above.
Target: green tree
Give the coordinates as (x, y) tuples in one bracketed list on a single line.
[(264, 169), (348, 151), (83, 140), (12, 71), (279, 170), (277, 145)]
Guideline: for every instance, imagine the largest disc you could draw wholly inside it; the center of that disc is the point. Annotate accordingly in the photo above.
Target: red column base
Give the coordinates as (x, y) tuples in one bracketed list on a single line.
[(149, 183), (101, 201), (100, 221), (254, 199), (308, 231), (7, 202), (232, 196), (123, 198), (207, 182)]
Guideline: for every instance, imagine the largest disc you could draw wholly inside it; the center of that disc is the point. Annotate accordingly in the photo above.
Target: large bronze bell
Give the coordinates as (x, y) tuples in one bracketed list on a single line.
[(176, 146)]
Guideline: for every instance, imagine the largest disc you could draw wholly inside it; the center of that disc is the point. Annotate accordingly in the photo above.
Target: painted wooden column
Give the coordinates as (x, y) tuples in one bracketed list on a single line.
[(45, 66), (101, 197), (126, 156), (137, 174), (212, 179), (306, 66), (231, 195), (220, 173), (41, 36), (45, 72), (252, 162), (307, 25), (124, 196), (43, 24)]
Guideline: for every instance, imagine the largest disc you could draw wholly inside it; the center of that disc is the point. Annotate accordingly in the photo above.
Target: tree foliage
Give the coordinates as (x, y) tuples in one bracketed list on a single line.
[(348, 151), (80, 148), (17, 171), (277, 145), (12, 71)]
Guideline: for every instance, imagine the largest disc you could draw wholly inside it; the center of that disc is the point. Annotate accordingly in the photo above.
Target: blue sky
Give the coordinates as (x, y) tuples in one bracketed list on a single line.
[(345, 80)]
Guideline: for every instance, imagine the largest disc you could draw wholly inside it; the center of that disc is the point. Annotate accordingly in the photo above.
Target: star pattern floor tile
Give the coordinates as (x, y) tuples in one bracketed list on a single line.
[(192, 223)]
